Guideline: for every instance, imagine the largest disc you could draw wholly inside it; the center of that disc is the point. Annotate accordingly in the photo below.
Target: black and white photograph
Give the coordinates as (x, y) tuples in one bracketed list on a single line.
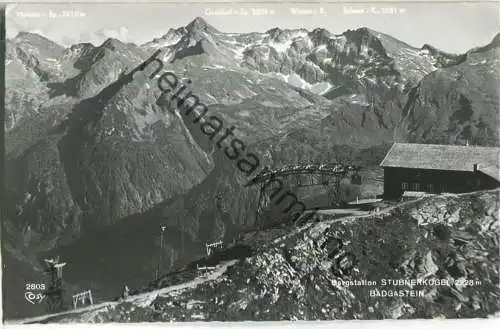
[(238, 161)]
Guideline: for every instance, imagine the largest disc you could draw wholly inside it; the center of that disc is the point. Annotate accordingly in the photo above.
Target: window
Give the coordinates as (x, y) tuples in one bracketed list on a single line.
[(416, 187), (430, 188), (404, 186), (443, 188)]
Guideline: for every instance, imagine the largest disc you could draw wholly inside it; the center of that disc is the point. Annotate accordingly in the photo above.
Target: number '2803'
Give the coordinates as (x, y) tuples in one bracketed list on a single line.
[(35, 286)]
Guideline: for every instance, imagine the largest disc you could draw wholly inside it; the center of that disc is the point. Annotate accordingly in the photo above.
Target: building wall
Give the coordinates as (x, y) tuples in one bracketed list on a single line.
[(397, 180)]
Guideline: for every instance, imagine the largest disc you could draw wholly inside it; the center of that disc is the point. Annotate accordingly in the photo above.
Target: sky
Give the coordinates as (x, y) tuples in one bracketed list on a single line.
[(451, 27)]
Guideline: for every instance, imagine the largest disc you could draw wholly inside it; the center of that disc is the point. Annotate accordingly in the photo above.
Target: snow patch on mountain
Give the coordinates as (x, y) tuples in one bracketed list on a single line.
[(280, 47), (296, 81), (171, 38)]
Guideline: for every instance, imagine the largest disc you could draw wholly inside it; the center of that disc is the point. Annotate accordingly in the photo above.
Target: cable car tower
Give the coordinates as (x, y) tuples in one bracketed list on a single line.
[(55, 290)]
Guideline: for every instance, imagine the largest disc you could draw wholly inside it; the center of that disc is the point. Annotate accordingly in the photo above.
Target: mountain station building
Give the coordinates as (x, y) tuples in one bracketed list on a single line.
[(430, 168)]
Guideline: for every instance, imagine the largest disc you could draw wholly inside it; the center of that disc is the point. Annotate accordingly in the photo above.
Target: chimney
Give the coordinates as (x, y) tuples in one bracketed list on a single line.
[(476, 166)]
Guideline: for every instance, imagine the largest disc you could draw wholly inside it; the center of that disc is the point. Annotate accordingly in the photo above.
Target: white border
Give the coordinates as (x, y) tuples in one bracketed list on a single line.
[(493, 322)]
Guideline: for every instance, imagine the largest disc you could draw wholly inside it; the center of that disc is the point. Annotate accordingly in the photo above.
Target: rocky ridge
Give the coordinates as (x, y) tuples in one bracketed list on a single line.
[(288, 275)]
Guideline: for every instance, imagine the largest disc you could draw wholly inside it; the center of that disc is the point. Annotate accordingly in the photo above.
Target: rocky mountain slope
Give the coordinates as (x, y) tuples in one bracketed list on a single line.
[(454, 104), (287, 274), (129, 121), (265, 84), (460, 100), (89, 148)]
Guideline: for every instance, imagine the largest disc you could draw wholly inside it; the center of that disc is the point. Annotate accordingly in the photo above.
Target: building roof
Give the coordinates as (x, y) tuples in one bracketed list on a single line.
[(442, 157), (492, 171)]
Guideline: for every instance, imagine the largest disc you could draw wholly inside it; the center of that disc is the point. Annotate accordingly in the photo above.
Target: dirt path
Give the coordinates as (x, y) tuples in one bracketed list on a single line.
[(141, 300)]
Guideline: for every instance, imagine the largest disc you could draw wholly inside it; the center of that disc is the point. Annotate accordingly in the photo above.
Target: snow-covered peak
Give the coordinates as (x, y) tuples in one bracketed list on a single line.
[(170, 38)]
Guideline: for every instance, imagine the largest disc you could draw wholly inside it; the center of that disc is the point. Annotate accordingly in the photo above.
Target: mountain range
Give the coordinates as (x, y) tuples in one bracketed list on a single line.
[(92, 160)]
